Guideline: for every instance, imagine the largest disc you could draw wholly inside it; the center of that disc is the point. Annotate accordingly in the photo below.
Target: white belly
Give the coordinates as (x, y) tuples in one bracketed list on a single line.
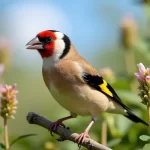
[(70, 102), (81, 102)]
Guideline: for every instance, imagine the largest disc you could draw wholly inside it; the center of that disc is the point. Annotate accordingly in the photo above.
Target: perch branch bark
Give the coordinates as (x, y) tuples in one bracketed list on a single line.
[(64, 133)]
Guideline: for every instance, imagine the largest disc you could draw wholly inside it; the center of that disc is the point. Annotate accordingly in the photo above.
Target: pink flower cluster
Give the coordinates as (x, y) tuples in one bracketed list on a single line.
[(8, 101), (144, 75), (144, 83)]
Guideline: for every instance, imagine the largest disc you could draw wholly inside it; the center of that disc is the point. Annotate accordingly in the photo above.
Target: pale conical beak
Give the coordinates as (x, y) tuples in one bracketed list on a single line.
[(34, 44)]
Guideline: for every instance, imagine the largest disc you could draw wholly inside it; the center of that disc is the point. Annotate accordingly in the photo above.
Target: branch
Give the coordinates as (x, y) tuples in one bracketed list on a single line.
[(64, 133)]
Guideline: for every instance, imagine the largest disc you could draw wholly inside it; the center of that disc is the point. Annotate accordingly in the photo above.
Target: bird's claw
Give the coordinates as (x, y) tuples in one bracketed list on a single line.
[(81, 137), (54, 126)]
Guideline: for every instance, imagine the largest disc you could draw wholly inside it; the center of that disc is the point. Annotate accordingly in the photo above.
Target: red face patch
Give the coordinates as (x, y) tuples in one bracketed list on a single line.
[(48, 46)]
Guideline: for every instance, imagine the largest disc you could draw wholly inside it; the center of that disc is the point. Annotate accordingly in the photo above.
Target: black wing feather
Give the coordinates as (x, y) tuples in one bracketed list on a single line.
[(95, 81), (101, 85)]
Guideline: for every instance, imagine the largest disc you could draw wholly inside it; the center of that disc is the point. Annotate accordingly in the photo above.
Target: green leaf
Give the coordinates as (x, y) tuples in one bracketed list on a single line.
[(146, 147), (123, 124), (21, 137), (145, 138), (2, 146), (114, 142), (130, 97), (121, 84)]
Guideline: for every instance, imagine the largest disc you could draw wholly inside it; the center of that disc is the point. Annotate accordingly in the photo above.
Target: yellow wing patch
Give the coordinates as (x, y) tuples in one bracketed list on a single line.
[(104, 88)]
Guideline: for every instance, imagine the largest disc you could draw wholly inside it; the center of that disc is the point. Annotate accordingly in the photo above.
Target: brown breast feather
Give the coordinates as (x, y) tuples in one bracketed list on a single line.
[(65, 74)]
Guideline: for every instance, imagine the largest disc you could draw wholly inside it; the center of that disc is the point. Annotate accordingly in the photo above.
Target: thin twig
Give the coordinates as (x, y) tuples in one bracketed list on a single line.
[(104, 132), (148, 111), (6, 134), (64, 133)]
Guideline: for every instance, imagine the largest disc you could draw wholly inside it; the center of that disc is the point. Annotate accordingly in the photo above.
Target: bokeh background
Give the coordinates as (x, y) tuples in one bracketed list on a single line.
[(110, 34)]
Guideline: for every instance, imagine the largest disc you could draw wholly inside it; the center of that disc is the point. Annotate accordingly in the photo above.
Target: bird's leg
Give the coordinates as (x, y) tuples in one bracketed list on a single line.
[(55, 124), (80, 138)]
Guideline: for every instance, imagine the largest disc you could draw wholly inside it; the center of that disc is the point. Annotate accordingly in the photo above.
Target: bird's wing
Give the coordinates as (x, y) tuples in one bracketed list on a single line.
[(93, 79), (101, 85)]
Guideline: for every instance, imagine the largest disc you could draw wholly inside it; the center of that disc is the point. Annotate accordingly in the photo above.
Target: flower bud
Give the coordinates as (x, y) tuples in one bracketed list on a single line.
[(148, 80), (141, 68), (128, 32), (8, 101), (144, 83), (5, 51)]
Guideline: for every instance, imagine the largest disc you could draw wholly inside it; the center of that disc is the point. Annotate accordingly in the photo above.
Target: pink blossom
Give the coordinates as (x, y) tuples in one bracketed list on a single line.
[(148, 71), (141, 68), (8, 100), (144, 83), (138, 76), (147, 78)]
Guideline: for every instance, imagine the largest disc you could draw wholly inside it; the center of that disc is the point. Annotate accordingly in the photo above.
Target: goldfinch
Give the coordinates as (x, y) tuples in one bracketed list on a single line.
[(74, 83)]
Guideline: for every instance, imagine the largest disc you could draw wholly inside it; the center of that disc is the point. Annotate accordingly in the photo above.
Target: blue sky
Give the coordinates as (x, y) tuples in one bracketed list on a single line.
[(92, 25)]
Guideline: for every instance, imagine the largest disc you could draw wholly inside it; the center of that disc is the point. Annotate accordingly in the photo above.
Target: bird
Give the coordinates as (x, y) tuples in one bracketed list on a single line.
[(74, 83)]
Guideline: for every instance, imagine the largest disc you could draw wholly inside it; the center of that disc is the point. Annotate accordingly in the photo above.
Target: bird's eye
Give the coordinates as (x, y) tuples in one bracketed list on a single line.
[(48, 40)]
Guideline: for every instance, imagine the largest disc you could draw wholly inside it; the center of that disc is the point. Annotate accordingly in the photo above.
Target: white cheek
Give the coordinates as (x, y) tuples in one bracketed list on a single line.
[(50, 61), (59, 48), (59, 35)]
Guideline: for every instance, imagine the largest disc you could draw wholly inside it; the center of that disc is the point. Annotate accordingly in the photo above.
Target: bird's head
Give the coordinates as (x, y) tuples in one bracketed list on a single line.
[(50, 43)]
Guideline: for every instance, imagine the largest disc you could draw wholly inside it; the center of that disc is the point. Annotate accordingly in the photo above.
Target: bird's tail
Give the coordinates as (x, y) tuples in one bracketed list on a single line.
[(134, 118)]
